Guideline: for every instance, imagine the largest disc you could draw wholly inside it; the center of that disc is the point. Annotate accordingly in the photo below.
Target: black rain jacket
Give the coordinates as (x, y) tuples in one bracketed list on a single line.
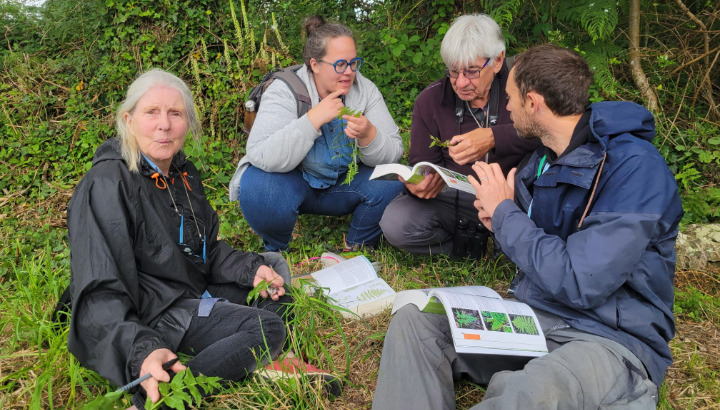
[(128, 271)]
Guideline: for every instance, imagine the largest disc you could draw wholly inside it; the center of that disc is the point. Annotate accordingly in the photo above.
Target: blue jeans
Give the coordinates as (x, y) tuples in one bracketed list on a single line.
[(271, 203)]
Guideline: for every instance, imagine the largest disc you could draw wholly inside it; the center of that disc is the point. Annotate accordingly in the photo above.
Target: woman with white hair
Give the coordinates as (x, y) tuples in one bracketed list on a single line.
[(466, 111), (149, 276)]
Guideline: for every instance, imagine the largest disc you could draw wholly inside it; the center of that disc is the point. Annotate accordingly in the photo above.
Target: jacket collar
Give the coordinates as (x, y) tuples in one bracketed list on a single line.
[(176, 167)]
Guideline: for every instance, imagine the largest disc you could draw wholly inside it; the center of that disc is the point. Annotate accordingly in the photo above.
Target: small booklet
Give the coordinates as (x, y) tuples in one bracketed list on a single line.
[(416, 174), (480, 320), (353, 284)]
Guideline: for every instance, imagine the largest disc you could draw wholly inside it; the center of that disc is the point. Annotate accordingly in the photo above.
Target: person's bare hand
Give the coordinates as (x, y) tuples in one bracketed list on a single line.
[(360, 128), (153, 365), (275, 282), (491, 188), (428, 188), (328, 108), (471, 146)]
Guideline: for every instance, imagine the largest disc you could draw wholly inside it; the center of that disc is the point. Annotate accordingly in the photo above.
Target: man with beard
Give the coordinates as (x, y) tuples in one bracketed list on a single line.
[(592, 230), (465, 110)]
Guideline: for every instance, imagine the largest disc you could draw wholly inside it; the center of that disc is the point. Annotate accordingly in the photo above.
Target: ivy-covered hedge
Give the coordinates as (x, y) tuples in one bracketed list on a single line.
[(66, 65)]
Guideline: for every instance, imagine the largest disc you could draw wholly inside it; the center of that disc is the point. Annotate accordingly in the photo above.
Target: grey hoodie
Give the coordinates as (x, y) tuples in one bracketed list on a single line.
[(279, 140)]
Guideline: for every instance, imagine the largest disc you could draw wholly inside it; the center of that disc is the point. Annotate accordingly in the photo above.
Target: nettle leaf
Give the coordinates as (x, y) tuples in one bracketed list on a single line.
[(164, 388), (174, 402), (178, 380), (103, 402), (191, 388)]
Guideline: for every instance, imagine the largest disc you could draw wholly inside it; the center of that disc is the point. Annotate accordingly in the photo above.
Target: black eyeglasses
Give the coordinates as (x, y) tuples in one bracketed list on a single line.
[(341, 65), (469, 74)]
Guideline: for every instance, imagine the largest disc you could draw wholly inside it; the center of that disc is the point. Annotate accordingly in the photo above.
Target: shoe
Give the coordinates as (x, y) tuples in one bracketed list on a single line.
[(288, 368)]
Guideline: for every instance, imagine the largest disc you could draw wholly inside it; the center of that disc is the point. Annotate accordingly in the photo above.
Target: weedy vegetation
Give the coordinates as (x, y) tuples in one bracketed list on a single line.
[(65, 65)]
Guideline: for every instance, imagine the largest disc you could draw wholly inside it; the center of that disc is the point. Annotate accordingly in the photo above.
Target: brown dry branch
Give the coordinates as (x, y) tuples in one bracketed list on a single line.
[(635, 65), (706, 85)]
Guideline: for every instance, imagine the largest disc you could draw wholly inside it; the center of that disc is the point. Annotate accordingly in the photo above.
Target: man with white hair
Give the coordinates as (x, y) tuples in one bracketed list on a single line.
[(466, 111), (590, 220)]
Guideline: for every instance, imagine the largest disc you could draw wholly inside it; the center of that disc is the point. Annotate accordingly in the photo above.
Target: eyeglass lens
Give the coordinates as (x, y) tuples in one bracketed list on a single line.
[(469, 74), (341, 65)]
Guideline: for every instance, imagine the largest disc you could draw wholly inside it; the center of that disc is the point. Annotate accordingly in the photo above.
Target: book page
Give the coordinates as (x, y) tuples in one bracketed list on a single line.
[(363, 293), (417, 297), (430, 304), (345, 274), (452, 179), (483, 291), (391, 171), (489, 325)]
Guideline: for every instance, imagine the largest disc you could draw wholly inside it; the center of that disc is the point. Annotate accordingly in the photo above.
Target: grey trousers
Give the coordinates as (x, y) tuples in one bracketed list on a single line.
[(582, 371), (426, 226)]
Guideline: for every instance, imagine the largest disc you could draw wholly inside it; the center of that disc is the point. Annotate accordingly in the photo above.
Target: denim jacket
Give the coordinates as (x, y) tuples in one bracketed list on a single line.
[(329, 156)]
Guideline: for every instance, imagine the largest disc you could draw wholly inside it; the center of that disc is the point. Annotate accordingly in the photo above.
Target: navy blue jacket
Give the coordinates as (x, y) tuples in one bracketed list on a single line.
[(613, 276)]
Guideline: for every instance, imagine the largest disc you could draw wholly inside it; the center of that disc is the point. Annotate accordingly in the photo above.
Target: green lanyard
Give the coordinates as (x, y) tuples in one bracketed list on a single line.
[(540, 167)]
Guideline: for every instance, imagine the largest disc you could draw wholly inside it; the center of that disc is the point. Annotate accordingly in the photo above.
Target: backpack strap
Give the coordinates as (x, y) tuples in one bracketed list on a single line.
[(495, 93), (494, 102), (289, 76)]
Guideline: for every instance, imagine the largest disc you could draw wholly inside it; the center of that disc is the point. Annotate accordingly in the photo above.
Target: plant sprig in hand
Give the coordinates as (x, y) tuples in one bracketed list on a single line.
[(353, 165), (437, 142), (255, 293), (348, 111)]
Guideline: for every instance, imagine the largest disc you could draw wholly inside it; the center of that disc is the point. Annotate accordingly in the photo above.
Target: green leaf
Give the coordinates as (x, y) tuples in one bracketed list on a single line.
[(103, 402), (174, 402), (164, 389), (255, 293), (177, 381)]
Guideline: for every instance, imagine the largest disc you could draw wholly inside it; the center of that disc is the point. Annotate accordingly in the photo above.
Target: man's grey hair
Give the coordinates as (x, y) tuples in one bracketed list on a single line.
[(469, 38), (146, 81)]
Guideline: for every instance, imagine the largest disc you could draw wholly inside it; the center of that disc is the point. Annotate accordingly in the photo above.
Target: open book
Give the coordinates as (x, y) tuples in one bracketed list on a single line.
[(480, 320), (353, 284), (416, 174)]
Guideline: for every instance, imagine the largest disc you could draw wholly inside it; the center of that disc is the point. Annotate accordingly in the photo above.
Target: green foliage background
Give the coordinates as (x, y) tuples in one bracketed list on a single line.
[(65, 65)]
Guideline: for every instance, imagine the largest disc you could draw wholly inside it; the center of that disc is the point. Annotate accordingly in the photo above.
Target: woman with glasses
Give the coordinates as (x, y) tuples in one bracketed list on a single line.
[(149, 276), (319, 163), (466, 111)]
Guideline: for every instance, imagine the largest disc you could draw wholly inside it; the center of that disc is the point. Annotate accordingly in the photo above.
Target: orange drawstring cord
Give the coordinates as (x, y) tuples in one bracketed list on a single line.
[(183, 176), (159, 182)]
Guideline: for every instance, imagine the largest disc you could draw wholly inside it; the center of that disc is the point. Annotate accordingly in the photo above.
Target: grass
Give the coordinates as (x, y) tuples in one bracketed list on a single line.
[(37, 372)]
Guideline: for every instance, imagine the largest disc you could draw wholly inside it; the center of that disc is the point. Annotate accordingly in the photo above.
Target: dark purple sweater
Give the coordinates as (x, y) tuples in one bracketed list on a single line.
[(434, 114)]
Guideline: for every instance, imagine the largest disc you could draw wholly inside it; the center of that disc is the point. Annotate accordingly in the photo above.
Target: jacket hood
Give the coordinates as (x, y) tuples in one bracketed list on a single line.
[(108, 151), (612, 118)]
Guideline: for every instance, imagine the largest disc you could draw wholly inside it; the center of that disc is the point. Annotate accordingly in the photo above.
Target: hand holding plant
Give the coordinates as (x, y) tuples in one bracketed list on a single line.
[(267, 283)]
